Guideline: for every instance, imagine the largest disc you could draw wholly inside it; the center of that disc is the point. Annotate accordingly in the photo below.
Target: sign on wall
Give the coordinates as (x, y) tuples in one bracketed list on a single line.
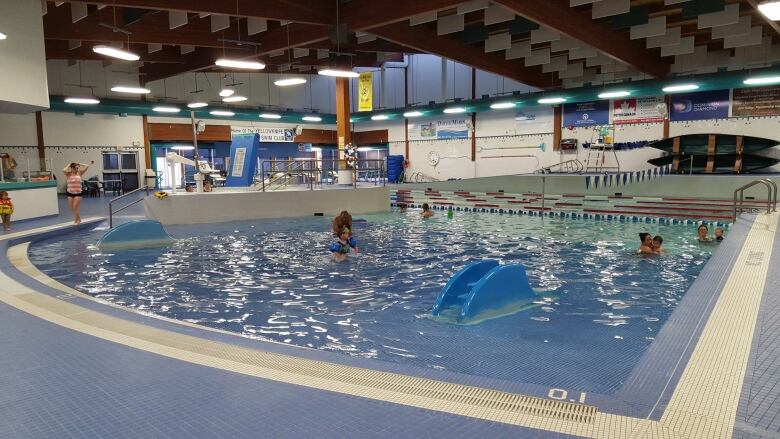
[(586, 114), (699, 106), (759, 101), (637, 110), (266, 134), (534, 120), (365, 91), (439, 129)]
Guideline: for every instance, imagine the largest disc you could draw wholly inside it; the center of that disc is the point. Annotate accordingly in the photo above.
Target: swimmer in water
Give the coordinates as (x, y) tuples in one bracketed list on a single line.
[(719, 234), (345, 244), (427, 213), (646, 248), (658, 244), (703, 233), (344, 219)]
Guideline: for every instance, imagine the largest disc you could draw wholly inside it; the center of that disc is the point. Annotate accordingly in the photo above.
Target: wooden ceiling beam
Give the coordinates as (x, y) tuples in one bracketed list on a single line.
[(299, 11), (557, 15), (428, 42)]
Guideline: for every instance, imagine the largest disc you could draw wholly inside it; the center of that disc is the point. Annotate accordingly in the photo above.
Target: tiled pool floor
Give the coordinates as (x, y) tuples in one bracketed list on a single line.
[(114, 373)]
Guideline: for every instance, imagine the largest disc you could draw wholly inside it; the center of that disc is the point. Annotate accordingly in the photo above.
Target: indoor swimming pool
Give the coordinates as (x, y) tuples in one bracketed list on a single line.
[(603, 305)]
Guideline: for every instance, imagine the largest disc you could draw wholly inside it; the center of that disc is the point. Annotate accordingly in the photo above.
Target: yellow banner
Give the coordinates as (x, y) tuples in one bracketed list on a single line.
[(365, 90)]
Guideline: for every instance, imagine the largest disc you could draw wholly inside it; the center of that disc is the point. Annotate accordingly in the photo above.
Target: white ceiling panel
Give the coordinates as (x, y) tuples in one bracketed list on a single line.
[(519, 49), (751, 39), (573, 71), (219, 22), (154, 47), (473, 5), (556, 64), (449, 24), (544, 35), (256, 25), (495, 14), (176, 19), (742, 27), (728, 16), (425, 17), (583, 52), (670, 38), (565, 43), (608, 8), (78, 11), (538, 57), (497, 42), (685, 47), (654, 27), (186, 48)]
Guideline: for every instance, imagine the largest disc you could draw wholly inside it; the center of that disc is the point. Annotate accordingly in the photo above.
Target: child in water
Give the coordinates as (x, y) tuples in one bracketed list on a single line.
[(658, 244), (341, 248), (6, 210), (426, 213), (344, 219), (719, 234), (646, 246)]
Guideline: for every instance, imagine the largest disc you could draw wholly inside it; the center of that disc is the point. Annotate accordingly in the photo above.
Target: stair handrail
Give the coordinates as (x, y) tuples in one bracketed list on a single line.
[(739, 196), (111, 210)]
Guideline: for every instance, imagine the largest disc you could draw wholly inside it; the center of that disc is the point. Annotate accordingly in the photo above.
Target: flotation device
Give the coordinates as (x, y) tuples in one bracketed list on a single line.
[(6, 207), (350, 155), (160, 195)]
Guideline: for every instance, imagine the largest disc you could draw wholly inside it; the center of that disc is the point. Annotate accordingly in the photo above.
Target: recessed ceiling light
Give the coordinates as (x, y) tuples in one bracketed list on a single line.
[(339, 73), (127, 89), (183, 147), (238, 64), (770, 9), (413, 114), (3, 36), (614, 94), (197, 105), (164, 109), (765, 80), (379, 117), (221, 113), (289, 81), (312, 118), (113, 52), (455, 110), (502, 105), (225, 92), (555, 100), (90, 101), (234, 99), (680, 87), (270, 116)]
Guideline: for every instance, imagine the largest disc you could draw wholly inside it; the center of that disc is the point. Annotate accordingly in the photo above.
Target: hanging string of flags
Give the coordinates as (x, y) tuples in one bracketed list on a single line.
[(625, 178)]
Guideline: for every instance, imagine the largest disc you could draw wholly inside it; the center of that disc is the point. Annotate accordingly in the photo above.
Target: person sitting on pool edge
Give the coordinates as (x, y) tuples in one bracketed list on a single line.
[(703, 233), (658, 244), (341, 248), (427, 213), (646, 247), (719, 234)]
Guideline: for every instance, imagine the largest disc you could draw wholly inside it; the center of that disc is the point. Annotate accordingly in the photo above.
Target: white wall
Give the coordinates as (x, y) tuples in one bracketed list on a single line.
[(17, 130), (23, 67)]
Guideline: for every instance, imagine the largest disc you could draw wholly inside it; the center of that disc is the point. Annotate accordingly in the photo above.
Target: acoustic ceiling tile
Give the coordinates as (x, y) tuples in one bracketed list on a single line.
[(74, 44), (78, 11), (754, 37), (322, 53), (556, 64), (219, 22), (256, 25), (544, 35), (425, 17), (472, 6), (300, 53), (742, 27), (654, 27), (176, 19), (564, 44), (519, 49), (674, 2), (573, 71), (728, 16), (186, 48), (154, 47), (573, 3), (449, 24), (608, 8), (538, 57), (670, 38), (583, 52), (498, 42), (495, 14), (685, 47)]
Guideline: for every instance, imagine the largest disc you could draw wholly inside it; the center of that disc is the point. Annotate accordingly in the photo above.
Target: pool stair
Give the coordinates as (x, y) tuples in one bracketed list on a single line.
[(136, 234), (484, 288), (614, 207)]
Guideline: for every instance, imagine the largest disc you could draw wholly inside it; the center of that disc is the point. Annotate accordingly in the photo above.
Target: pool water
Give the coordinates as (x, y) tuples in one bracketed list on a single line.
[(274, 279)]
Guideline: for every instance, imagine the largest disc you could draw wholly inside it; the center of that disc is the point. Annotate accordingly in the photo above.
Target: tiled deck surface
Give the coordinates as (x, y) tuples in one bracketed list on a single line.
[(75, 367)]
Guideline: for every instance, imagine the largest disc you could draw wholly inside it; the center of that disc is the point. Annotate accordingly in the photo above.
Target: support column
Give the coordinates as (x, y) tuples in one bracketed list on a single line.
[(668, 101), (41, 144), (473, 116), (343, 131), (406, 119), (147, 144), (557, 125)]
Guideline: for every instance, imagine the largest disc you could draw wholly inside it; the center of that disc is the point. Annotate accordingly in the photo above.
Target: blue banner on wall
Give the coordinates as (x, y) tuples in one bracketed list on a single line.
[(699, 106), (586, 114), (243, 160)]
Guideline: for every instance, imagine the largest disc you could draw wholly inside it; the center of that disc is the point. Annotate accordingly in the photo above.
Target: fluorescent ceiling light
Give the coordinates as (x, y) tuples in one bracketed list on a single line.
[(454, 110), (770, 9), (614, 94), (502, 105), (197, 105), (289, 81), (238, 64), (82, 100), (113, 52), (339, 73), (234, 99), (270, 116), (163, 109), (379, 117), (680, 87), (413, 114), (127, 89), (551, 100), (3, 36), (226, 92), (766, 80), (312, 118), (183, 147), (221, 113)]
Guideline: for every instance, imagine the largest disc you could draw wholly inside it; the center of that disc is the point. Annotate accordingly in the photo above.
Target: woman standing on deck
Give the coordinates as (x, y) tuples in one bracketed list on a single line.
[(73, 188)]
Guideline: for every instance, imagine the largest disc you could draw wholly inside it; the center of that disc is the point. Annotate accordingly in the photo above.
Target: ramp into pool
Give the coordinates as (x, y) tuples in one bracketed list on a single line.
[(75, 365)]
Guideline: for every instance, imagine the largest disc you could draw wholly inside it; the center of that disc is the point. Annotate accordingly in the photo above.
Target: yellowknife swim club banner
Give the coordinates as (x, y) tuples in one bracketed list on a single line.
[(267, 134)]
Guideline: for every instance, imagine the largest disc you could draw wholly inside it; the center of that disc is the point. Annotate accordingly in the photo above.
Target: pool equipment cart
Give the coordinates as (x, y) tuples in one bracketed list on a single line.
[(136, 234), (485, 289)]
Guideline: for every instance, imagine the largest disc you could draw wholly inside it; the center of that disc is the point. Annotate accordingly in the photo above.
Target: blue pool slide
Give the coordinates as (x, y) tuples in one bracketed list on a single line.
[(136, 234)]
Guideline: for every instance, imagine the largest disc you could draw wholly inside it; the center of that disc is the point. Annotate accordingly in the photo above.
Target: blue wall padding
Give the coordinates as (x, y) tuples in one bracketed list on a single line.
[(395, 167), (458, 287), (136, 234), (242, 172)]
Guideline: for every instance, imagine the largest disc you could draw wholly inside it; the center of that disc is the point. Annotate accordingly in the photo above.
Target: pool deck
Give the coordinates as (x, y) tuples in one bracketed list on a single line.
[(75, 366)]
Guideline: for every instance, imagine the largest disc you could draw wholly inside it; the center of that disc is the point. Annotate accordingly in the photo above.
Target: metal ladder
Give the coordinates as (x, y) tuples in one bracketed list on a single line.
[(771, 201), (597, 152)]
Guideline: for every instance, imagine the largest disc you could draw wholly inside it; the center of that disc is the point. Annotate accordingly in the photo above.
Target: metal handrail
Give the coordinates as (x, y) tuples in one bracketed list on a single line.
[(111, 210), (291, 167), (739, 196), (574, 165)]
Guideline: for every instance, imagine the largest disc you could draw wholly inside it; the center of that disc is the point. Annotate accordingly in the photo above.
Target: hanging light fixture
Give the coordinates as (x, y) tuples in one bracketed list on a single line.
[(197, 105), (339, 73), (166, 109), (76, 100), (239, 64), (270, 116), (614, 94), (289, 81), (234, 99), (130, 89), (413, 114), (770, 9), (221, 113), (312, 118), (113, 52)]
